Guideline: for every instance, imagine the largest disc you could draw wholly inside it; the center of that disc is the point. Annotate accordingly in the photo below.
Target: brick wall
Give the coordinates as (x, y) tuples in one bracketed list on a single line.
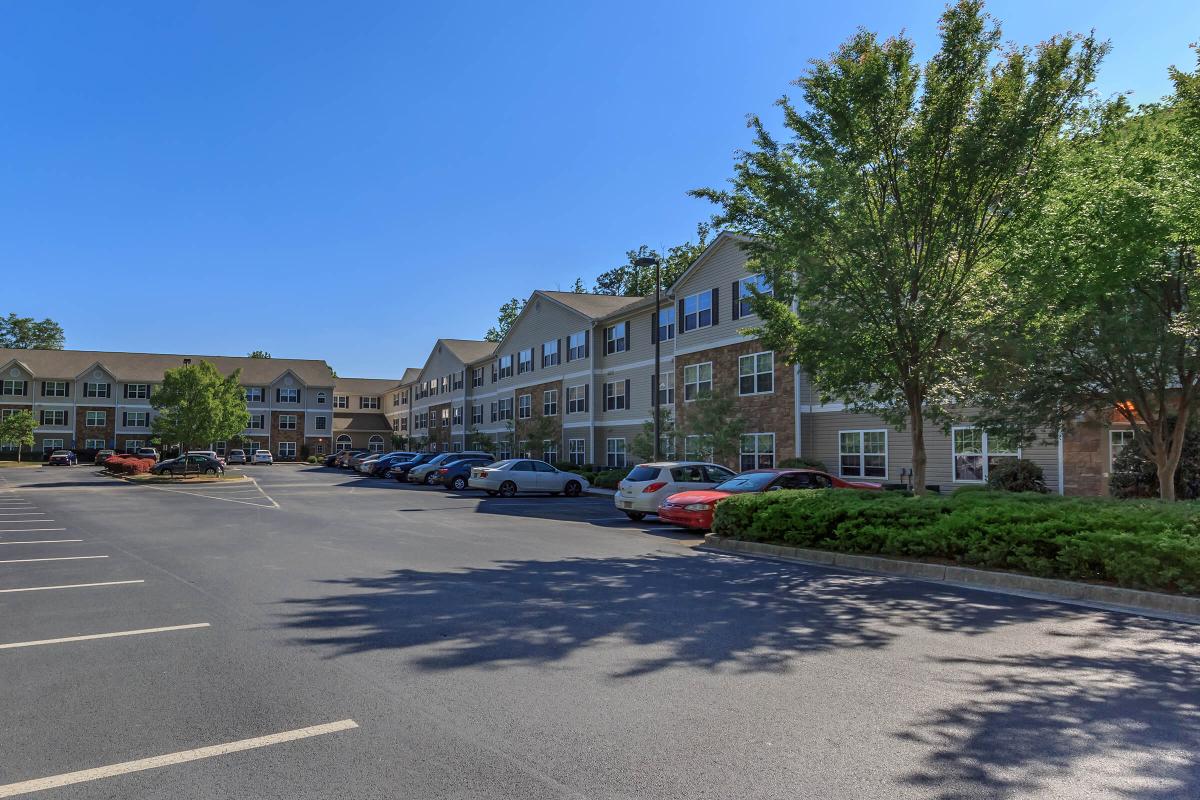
[(1085, 459), (439, 436), (524, 426), (278, 436), (107, 432)]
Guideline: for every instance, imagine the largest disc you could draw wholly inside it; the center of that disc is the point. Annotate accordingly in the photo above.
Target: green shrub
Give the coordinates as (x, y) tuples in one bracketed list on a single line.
[(1017, 475), (1144, 545), (803, 463), (609, 478), (311, 459), (1135, 476)]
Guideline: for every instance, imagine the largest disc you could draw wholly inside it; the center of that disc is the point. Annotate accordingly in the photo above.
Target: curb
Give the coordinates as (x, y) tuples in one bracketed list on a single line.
[(600, 492), (1068, 591)]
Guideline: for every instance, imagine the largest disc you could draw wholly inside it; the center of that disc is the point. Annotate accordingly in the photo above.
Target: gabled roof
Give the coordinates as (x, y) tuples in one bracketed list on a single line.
[(723, 238), (361, 421), (468, 350), (149, 367), (364, 386), (592, 306), (410, 376)]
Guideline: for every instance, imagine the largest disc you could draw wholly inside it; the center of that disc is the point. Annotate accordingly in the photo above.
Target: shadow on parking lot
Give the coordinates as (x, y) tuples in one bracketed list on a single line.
[(1031, 717)]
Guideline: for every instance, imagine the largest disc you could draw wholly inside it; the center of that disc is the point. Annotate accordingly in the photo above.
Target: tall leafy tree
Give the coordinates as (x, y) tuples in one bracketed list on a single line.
[(1111, 282), (197, 405), (17, 429), (714, 426), (26, 333), (259, 354), (879, 222), (509, 312), (630, 279), (642, 444)]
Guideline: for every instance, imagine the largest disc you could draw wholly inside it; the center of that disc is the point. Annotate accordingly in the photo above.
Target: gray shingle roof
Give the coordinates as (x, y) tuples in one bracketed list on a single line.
[(365, 386), (149, 367), (593, 306), (468, 350)]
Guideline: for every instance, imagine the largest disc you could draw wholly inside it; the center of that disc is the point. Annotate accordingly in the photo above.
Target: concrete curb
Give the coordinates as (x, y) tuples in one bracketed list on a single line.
[(1067, 591), (600, 492)]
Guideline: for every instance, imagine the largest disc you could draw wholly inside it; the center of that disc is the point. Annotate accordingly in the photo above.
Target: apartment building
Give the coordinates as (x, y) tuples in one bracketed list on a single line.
[(366, 412), (92, 400), (439, 418)]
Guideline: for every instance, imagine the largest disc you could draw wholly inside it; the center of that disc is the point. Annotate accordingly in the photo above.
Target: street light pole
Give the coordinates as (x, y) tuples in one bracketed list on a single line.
[(641, 262)]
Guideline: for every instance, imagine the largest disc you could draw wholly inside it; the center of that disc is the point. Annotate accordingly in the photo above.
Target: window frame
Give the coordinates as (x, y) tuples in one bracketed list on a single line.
[(757, 453), (575, 352), (58, 385), (985, 455), (88, 423), (614, 396), (615, 343), (550, 403), (1129, 433), (551, 357), (142, 391), (745, 307), (611, 453), (91, 390), (287, 422), (577, 455), (697, 383), (757, 376), (504, 367), (524, 364), (698, 312), (666, 330), (861, 454)]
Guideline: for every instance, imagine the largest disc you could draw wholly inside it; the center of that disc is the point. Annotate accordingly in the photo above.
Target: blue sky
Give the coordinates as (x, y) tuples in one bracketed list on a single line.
[(219, 177)]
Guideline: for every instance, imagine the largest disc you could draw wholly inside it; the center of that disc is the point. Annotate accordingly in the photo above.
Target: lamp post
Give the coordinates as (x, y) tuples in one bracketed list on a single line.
[(640, 262)]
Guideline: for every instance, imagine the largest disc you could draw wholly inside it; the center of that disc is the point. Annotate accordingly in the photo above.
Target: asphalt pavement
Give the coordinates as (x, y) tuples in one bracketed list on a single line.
[(317, 635)]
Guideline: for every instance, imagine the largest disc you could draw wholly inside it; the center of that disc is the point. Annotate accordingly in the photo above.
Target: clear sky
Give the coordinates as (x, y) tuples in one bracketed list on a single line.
[(350, 181)]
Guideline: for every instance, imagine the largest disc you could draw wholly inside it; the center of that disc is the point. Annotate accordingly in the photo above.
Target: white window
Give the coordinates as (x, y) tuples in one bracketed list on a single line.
[(341, 401), (456, 380), (577, 346), (758, 450), (503, 448), (504, 367), (525, 407), (342, 443), (756, 373), (614, 451), (1118, 440), (577, 400), (96, 390), (666, 446), (549, 450), (666, 388), (523, 450), (457, 417), (550, 354), (697, 381), (254, 394), (54, 417), (578, 451), (444, 415), (287, 449), (219, 448), (477, 376), (54, 388), (135, 419), (320, 423), (137, 391), (375, 444), (287, 422), (251, 447), (477, 414), (525, 361), (96, 419), (258, 422), (132, 445), (666, 324), (50, 445), (94, 444), (13, 388), (693, 447), (862, 454), (368, 402), (288, 395), (746, 293), (504, 409), (616, 339), (321, 399), (697, 311), (614, 396), (975, 452), (550, 403)]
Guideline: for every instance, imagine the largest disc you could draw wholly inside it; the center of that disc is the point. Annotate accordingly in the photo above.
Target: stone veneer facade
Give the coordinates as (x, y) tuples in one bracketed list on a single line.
[(537, 400)]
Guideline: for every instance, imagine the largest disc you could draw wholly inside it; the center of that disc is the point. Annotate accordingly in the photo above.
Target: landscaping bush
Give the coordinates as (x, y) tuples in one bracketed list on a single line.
[(567, 466), (1017, 475), (128, 465), (1135, 476), (311, 459), (803, 463), (609, 478), (1145, 545)]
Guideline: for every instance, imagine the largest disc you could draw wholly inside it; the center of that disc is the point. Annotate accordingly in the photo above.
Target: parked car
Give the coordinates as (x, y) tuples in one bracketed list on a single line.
[(368, 464), (343, 458), (263, 457), (380, 468), (104, 455), (456, 474), (330, 459), (236, 457), (427, 473), (513, 475), (647, 485), (190, 464), (400, 469), (147, 452), (694, 509), (62, 458), (210, 453), (357, 459)]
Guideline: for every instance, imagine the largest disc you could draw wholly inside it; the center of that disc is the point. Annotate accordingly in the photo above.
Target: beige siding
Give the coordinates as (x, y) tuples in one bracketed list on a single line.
[(542, 321), (723, 266)]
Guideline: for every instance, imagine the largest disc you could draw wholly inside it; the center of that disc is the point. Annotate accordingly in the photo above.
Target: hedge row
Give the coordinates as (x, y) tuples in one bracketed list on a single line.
[(1142, 545), (128, 465)]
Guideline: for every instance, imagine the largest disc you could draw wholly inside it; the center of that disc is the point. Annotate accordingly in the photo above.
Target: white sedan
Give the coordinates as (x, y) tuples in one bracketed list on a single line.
[(262, 457), (506, 478), (647, 485)]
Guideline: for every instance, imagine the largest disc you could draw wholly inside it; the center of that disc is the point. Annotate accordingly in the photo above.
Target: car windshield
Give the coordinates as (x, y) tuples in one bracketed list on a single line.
[(505, 464), (746, 482), (642, 473)]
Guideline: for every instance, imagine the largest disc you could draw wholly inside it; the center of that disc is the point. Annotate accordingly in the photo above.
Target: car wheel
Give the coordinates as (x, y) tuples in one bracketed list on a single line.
[(429, 479), (491, 492), (170, 472), (636, 516), (210, 471), (573, 488), (508, 489), (459, 484)]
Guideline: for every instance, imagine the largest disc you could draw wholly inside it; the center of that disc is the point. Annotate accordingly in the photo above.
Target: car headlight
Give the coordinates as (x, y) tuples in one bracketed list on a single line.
[(698, 507)]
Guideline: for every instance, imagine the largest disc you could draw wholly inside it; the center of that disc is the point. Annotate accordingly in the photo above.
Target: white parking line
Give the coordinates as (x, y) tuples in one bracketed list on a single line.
[(69, 586), (20, 513), (27, 530), (182, 757), (61, 558), (90, 636), (45, 541)]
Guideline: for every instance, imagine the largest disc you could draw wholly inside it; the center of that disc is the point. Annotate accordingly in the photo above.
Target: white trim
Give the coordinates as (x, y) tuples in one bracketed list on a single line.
[(649, 362), (611, 423), (756, 373), (985, 454), (726, 342), (862, 454)]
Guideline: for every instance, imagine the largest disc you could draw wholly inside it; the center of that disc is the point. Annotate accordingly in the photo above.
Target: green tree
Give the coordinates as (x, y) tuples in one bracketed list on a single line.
[(882, 218), (538, 431), (399, 441), (642, 445), (17, 429), (475, 440), (578, 287), (630, 279), (197, 405), (714, 427), (26, 333), (259, 354), (508, 315), (1110, 280)]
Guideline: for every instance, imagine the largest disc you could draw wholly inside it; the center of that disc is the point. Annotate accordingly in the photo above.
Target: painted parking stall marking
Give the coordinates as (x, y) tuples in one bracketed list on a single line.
[(56, 558), (71, 586), (87, 637), (181, 757), (44, 541)]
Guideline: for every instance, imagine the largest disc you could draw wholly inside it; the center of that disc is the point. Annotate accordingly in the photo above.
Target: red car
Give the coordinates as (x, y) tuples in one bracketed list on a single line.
[(695, 509)]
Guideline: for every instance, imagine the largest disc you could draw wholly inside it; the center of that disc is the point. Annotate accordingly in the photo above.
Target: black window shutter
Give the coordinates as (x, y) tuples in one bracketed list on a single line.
[(126, 390), (586, 388), (587, 343), (716, 305), (124, 419), (43, 388), (679, 319), (66, 418), (277, 394), (24, 388), (627, 393), (737, 300)]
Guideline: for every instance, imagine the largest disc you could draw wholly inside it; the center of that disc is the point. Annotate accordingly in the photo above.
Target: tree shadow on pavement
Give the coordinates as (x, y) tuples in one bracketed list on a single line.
[(1125, 710)]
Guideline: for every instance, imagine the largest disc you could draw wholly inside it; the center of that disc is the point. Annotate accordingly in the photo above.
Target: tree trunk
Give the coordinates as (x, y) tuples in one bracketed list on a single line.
[(1166, 478), (916, 420)]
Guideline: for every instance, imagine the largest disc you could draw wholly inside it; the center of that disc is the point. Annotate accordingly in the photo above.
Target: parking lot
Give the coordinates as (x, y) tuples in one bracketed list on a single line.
[(315, 634)]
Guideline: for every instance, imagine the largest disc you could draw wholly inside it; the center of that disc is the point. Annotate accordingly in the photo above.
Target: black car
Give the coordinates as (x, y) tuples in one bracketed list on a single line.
[(332, 457), (455, 474), (380, 468), (400, 469), (194, 464)]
